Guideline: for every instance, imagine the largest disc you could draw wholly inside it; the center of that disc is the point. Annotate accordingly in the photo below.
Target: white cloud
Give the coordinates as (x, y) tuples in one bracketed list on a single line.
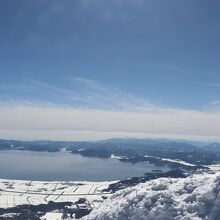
[(28, 121)]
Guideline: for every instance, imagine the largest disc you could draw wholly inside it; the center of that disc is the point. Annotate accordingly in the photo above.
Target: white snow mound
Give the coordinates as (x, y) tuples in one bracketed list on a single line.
[(196, 197)]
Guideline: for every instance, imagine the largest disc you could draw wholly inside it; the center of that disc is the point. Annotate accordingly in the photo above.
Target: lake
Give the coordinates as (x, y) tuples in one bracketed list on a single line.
[(64, 166)]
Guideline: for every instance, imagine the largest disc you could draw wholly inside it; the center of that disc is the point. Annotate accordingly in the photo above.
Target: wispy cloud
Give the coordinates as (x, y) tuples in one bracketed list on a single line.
[(216, 102), (213, 106), (114, 10), (79, 93), (179, 70), (95, 95), (213, 84), (44, 85)]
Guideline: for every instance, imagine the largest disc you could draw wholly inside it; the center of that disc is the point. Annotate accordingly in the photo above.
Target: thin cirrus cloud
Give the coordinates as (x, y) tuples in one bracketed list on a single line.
[(89, 94), (213, 84), (97, 112), (102, 10)]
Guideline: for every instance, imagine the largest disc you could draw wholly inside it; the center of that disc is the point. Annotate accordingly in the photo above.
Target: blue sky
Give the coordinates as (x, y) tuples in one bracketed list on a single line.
[(112, 56)]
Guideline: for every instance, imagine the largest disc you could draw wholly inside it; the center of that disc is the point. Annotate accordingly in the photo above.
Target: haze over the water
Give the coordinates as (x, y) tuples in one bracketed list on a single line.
[(96, 69)]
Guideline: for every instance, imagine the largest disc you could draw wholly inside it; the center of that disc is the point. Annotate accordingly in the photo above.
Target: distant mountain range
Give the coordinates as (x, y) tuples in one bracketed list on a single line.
[(159, 144), (213, 147)]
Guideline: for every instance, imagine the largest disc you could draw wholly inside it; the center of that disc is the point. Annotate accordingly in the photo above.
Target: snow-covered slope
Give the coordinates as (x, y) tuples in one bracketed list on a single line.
[(196, 197)]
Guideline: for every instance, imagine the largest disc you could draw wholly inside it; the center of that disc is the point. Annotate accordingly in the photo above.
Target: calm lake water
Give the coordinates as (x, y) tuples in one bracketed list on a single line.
[(66, 166)]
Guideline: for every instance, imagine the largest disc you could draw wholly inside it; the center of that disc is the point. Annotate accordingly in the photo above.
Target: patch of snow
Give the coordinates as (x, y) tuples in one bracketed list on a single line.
[(52, 216), (178, 161), (9, 215), (214, 167), (116, 157), (63, 149), (173, 161)]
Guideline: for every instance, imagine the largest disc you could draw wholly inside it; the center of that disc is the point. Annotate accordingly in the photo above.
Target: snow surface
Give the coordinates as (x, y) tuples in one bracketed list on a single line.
[(52, 216), (214, 167), (196, 197), (113, 156), (173, 161), (21, 192)]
